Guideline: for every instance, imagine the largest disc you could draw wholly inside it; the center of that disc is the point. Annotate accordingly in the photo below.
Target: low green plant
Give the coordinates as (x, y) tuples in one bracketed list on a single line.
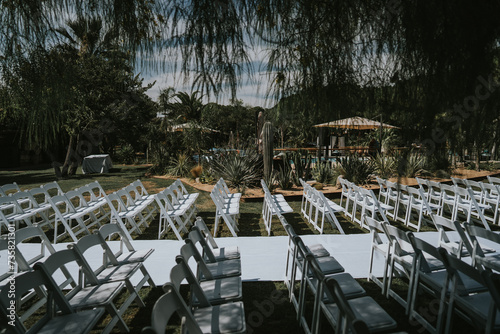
[(180, 166), (410, 164), (270, 180), (238, 170), (356, 169), (384, 166), (285, 177), (126, 154), (324, 173), (438, 162)]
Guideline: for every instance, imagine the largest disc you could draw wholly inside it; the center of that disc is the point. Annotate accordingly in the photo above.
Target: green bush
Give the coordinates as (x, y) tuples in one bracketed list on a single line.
[(356, 169), (285, 177), (302, 166), (384, 166), (410, 164), (180, 166), (238, 170), (126, 154), (324, 173)]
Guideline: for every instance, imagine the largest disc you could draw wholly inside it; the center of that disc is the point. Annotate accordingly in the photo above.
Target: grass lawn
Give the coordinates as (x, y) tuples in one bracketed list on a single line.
[(263, 316)]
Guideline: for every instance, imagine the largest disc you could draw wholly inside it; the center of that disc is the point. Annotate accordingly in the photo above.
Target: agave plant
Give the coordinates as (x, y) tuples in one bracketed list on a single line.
[(324, 173), (410, 164), (238, 170), (384, 166), (357, 169), (284, 177), (180, 166)]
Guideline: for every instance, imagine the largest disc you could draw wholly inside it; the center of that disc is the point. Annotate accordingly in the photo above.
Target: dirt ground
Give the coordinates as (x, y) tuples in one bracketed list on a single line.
[(257, 192)]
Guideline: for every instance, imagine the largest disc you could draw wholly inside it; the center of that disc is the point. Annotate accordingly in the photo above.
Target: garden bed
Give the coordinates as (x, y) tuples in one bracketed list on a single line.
[(333, 191)]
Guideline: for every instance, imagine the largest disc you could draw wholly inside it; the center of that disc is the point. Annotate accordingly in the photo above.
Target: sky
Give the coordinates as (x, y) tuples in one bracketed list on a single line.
[(252, 91)]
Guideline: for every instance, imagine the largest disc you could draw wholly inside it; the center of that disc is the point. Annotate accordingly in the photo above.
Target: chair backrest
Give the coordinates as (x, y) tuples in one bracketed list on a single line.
[(60, 259), (200, 223), (459, 182), (28, 233), (181, 272), (376, 229), (168, 304), (354, 325), (93, 240), (197, 237), (475, 234), (421, 248), (399, 239), (9, 189), (189, 250), (140, 188), (52, 189), (454, 266), (494, 180), (107, 231), (39, 195)]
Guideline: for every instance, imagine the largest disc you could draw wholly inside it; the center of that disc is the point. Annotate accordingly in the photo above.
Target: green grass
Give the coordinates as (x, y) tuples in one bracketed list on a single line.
[(266, 306)]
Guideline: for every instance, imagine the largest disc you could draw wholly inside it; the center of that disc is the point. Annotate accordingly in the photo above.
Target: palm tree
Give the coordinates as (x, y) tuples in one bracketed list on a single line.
[(188, 107)]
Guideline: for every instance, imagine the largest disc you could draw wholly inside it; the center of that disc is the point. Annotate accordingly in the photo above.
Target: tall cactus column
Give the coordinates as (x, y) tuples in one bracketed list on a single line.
[(267, 148)]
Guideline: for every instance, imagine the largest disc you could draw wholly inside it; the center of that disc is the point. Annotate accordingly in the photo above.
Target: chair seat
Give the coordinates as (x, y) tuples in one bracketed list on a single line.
[(349, 286), (329, 265), (93, 296), (367, 309), (224, 269), (221, 290), (135, 256), (226, 318), (480, 304), (74, 323), (226, 253), (118, 273)]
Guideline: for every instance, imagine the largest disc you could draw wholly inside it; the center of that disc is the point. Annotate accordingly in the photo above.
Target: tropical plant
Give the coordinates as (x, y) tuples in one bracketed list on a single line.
[(324, 173), (356, 169), (180, 166), (237, 169), (285, 177), (384, 166), (126, 154), (410, 164)]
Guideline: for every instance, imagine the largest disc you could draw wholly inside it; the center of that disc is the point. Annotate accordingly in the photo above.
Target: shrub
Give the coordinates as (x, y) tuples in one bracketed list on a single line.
[(324, 173), (238, 170), (284, 177), (180, 166), (356, 169), (126, 154), (410, 164), (384, 166), (196, 171)]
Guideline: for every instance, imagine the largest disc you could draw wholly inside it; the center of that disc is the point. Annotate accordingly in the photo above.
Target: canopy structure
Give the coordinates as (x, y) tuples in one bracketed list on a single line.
[(184, 126), (355, 123)]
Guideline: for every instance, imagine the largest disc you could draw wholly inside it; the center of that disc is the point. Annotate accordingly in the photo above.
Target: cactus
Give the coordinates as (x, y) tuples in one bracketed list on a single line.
[(267, 148), (302, 167)]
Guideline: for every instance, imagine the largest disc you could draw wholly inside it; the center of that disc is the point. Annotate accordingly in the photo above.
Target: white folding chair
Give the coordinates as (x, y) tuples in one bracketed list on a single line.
[(207, 293), (228, 252), (56, 314), (66, 214), (226, 318), (125, 253), (380, 245), (85, 297)]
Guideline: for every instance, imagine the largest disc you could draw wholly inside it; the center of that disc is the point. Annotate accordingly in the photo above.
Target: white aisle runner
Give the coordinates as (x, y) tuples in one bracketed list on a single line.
[(262, 258)]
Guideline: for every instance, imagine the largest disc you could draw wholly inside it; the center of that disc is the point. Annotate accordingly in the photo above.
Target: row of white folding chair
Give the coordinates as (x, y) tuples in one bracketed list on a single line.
[(174, 214), (101, 285), (316, 208), (273, 205), (227, 207), (132, 207), (215, 302), (313, 269), (456, 200)]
